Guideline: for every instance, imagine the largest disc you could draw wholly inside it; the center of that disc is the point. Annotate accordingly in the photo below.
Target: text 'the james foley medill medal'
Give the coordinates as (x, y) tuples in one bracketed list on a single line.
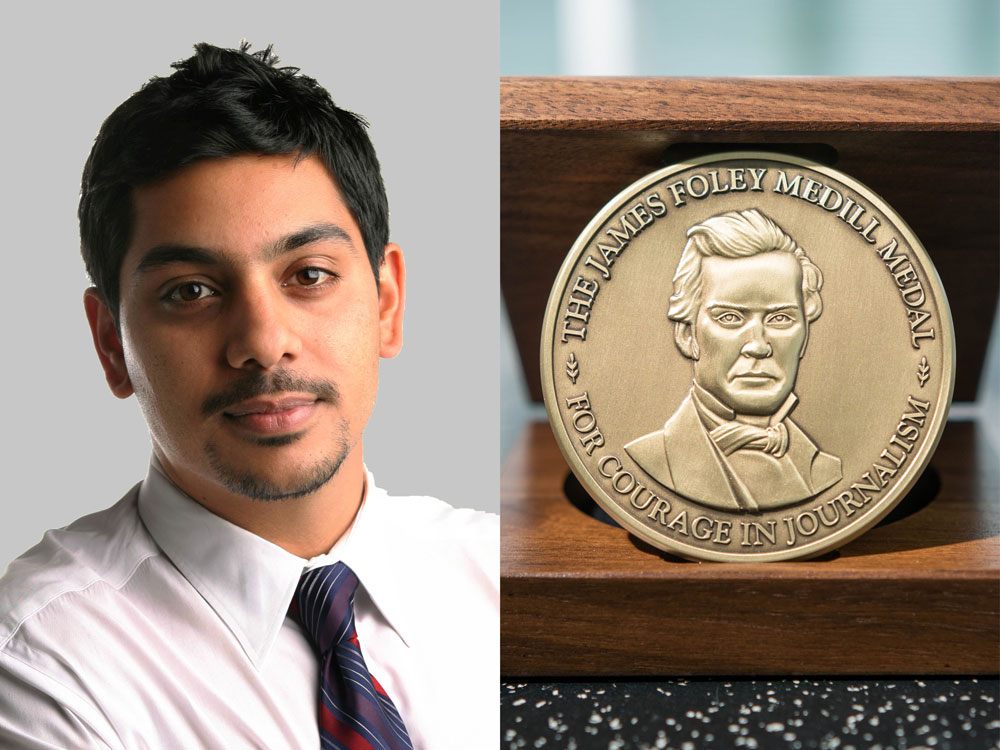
[(747, 357)]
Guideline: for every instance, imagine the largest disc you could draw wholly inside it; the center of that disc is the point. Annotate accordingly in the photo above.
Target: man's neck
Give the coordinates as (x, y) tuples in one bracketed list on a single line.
[(306, 526)]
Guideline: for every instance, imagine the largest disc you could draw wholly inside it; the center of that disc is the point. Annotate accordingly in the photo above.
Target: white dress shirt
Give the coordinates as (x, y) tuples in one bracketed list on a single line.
[(157, 624)]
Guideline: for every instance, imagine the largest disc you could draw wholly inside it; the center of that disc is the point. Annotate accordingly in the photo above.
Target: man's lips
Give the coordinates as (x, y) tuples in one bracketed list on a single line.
[(269, 406), (755, 379), (266, 415)]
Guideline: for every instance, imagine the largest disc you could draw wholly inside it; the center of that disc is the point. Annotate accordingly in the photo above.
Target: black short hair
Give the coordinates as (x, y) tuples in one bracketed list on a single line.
[(218, 103)]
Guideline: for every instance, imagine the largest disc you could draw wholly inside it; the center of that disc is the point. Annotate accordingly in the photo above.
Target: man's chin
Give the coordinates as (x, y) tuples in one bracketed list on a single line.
[(757, 401), (274, 475), (274, 441), (758, 404), (259, 485)]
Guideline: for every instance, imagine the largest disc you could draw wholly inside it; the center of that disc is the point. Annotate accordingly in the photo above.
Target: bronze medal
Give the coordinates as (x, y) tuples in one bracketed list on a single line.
[(747, 357)]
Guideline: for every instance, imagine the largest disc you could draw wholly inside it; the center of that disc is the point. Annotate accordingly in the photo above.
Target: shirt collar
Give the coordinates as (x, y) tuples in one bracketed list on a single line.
[(248, 581), (381, 550), (718, 409)]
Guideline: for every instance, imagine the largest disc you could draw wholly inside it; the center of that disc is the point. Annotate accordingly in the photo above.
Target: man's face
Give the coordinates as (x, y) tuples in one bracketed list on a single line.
[(251, 325), (751, 330)]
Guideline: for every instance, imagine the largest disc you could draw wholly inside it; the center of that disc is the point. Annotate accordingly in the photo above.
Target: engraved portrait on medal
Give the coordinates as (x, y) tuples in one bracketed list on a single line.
[(745, 296), (747, 357)]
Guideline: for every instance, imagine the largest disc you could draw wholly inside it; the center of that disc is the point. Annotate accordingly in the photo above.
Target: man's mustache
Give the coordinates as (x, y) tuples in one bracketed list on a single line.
[(259, 384)]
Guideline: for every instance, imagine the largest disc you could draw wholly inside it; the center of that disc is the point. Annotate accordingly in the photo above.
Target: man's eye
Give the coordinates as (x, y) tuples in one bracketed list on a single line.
[(729, 319), (780, 318), (190, 292), (312, 277)]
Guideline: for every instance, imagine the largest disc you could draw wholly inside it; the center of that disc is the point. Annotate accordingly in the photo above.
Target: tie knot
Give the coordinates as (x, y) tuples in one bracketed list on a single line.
[(733, 436), (324, 603)]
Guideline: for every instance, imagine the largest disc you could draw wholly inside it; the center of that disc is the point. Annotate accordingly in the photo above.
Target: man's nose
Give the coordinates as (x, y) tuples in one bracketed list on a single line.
[(261, 329), (756, 346)]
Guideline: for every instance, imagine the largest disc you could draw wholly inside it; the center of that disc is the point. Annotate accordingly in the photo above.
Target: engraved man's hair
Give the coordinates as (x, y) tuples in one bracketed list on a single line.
[(737, 234)]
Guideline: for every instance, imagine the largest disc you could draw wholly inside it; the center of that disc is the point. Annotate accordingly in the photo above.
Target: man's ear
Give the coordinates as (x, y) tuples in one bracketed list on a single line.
[(812, 305), (684, 338), (107, 343), (392, 296), (812, 308)]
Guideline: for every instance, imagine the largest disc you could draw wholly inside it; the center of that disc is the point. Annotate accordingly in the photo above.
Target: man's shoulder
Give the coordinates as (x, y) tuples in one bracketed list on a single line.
[(438, 515), (652, 451), (439, 558), (429, 518), (100, 550), (647, 450), (438, 536)]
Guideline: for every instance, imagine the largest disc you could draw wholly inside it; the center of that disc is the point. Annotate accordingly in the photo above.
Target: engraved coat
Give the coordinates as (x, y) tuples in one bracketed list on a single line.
[(684, 458)]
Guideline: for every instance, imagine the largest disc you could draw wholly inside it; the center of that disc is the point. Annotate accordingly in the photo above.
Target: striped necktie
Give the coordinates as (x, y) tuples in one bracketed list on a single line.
[(354, 711)]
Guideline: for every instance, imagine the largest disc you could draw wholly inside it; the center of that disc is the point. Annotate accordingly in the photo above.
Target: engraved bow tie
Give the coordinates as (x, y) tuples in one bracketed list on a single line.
[(733, 436)]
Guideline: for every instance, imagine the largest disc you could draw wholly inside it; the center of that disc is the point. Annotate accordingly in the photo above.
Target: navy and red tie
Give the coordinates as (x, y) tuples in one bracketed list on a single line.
[(354, 711)]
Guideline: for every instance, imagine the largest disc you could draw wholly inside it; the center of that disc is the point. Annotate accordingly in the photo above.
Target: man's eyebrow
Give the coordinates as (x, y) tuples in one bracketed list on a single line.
[(305, 236), (169, 253), (726, 306), (744, 308)]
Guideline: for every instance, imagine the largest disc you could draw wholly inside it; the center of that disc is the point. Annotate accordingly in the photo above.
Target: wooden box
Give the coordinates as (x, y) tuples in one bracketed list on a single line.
[(918, 594)]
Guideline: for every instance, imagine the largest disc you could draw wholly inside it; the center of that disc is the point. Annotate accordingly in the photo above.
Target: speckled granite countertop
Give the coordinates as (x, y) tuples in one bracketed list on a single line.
[(903, 714)]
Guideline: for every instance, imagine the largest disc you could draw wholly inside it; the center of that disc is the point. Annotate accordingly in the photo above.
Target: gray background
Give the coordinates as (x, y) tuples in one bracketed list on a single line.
[(425, 76), (740, 38)]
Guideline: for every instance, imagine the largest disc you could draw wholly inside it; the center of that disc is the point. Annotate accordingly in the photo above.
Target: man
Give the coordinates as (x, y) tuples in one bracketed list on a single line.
[(257, 589), (744, 297)]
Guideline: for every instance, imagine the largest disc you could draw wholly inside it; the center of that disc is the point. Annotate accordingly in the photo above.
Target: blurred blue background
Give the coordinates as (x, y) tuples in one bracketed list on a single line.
[(750, 38), (744, 38)]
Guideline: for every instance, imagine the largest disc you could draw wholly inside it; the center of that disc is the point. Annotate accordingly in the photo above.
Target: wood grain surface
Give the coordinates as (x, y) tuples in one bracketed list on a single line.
[(918, 594), (748, 104), (929, 147)]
